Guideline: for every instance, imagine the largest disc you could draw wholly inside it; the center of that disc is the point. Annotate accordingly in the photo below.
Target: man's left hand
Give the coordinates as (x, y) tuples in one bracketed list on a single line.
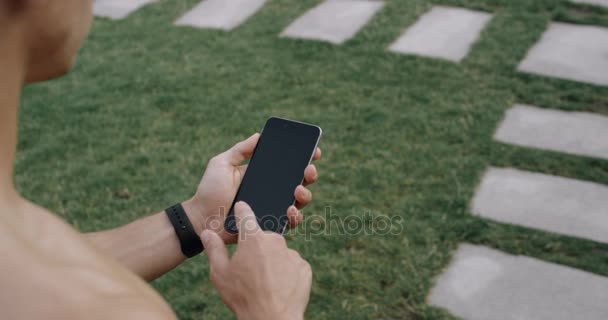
[(218, 187)]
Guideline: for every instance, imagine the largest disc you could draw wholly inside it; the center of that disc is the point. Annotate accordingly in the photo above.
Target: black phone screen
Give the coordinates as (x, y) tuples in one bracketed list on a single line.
[(275, 170)]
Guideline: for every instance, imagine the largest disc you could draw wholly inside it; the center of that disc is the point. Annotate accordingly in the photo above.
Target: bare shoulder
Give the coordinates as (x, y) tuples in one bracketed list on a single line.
[(49, 270)]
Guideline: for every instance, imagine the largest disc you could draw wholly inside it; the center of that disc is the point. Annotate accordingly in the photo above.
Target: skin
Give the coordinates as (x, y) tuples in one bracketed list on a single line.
[(50, 270), (275, 273)]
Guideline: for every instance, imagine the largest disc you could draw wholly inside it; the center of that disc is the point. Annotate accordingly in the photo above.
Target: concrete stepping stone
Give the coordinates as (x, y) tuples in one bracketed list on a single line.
[(485, 284), (333, 21), (572, 52), (220, 14), (444, 32), (595, 2), (117, 9), (579, 133), (551, 203)]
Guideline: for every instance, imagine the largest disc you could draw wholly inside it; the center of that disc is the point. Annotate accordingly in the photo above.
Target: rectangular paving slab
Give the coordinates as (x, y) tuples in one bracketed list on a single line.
[(444, 32), (595, 2), (333, 21), (572, 52), (551, 203), (117, 9), (579, 133), (220, 14), (485, 284)]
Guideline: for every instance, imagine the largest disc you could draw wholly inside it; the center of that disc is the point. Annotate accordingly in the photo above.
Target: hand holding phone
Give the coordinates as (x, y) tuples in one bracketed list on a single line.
[(215, 194), (264, 279), (276, 168)]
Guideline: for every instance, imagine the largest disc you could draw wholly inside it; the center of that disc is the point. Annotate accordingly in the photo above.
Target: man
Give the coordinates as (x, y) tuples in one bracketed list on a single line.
[(49, 270)]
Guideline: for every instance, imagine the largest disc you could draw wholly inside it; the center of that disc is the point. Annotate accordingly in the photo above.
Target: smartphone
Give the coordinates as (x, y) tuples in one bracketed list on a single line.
[(276, 168)]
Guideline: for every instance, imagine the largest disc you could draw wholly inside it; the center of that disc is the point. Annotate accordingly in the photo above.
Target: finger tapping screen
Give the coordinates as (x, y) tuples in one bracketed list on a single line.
[(275, 170)]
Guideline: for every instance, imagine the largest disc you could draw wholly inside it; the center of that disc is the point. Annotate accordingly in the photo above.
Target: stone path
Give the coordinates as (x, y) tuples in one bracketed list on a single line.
[(220, 14), (486, 284), (595, 2), (444, 32), (483, 283), (578, 133), (573, 52), (562, 205), (333, 21), (117, 9)]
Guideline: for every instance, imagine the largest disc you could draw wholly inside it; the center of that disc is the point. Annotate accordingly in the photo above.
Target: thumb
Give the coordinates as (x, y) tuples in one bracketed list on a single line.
[(242, 150), (216, 251)]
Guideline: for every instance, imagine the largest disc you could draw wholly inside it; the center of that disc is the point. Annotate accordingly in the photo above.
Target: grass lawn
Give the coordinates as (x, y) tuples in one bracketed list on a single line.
[(130, 130)]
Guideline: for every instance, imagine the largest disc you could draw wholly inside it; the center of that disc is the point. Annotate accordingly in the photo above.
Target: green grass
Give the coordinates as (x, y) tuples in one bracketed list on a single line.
[(148, 104)]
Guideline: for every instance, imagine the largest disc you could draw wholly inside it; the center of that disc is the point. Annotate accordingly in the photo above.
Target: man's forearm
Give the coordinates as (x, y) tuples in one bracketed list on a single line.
[(147, 246)]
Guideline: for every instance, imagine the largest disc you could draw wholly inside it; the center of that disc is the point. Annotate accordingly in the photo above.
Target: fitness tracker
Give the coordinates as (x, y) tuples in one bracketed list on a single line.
[(189, 241)]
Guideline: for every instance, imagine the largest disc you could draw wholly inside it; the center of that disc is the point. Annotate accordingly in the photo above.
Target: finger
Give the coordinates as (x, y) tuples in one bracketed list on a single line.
[(242, 169), (293, 254), (303, 196), (310, 175), (241, 151), (317, 155), (246, 221), (294, 216), (216, 251)]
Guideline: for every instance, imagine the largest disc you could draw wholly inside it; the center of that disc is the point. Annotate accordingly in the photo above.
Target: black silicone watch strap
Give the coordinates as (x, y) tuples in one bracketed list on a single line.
[(188, 239)]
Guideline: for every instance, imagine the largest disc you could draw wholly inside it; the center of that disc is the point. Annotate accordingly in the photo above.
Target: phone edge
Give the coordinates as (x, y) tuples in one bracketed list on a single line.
[(314, 150)]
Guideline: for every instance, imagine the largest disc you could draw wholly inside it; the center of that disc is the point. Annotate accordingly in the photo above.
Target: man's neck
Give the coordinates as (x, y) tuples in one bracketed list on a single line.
[(12, 64)]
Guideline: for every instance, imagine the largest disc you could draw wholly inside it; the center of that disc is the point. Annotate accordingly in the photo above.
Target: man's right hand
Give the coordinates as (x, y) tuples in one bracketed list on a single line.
[(264, 279)]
